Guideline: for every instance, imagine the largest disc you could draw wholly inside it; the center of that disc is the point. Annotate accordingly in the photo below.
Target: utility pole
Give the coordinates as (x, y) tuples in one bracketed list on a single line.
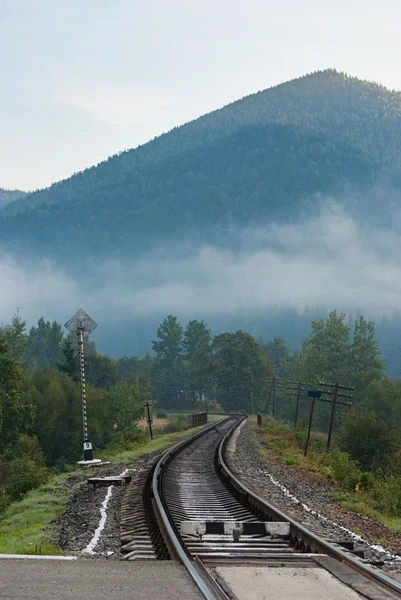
[(311, 394), (333, 410), (268, 398), (312, 407), (334, 402), (149, 420), (82, 325), (253, 411), (297, 406), (274, 396)]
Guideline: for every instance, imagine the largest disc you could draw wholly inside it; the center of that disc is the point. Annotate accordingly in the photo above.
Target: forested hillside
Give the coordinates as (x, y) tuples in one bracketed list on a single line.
[(265, 157), (7, 196)]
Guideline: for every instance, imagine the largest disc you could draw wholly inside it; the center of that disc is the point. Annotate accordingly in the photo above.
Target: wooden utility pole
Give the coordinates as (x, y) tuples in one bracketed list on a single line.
[(311, 394), (334, 402), (268, 399), (333, 410), (274, 396), (149, 420), (297, 406), (312, 408)]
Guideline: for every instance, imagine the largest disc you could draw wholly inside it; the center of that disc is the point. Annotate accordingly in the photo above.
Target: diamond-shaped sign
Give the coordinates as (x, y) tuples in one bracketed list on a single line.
[(81, 322)]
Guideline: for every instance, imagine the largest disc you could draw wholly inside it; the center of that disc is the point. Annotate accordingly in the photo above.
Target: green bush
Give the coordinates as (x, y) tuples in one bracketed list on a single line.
[(318, 443), (161, 414), (179, 423), (134, 435), (24, 475), (368, 438), (345, 470), (386, 494)]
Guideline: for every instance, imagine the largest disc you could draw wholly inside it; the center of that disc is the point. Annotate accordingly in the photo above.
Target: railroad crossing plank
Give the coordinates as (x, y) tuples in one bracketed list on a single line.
[(107, 481)]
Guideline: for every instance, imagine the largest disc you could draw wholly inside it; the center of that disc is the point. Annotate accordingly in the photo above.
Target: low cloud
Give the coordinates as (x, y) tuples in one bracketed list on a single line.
[(329, 261)]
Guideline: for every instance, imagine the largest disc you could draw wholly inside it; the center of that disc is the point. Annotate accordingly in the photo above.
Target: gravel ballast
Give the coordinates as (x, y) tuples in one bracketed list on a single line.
[(76, 527), (300, 494)]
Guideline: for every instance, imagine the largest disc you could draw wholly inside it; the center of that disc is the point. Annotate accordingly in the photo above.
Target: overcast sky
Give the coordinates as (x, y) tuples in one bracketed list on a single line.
[(81, 80)]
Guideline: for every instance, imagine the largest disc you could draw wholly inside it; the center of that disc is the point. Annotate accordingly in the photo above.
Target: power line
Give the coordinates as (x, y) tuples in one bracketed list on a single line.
[(395, 349), (394, 357)]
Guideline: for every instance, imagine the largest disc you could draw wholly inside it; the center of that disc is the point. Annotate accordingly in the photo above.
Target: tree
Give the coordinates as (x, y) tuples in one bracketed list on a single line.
[(168, 369), (168, 347), (26, 467), (15, 337), (197, 352), (70, 364), (334, 352), (46, 344), (101, 371), (325, 353), (278, 353), (366, 364), (240, 369), (15, 413), (130, 368), (368, 438), (197, 338), (58, 421), (126, 403)]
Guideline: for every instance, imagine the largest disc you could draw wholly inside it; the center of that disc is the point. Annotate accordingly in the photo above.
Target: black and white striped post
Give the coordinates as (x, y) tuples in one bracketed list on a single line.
[(81, 324), (88, 452)]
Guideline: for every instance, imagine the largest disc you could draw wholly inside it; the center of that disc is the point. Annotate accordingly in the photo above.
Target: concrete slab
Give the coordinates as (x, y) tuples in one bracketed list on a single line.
[(201, 528), (95, 579), (282, 583)]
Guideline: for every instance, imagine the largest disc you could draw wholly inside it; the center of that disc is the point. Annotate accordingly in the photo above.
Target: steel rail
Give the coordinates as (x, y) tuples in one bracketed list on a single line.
[(171, 538), (298, 531)]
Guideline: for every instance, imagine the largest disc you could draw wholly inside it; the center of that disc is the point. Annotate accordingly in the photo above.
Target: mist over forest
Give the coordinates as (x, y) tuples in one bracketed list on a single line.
[(259, 215), (270, 281)]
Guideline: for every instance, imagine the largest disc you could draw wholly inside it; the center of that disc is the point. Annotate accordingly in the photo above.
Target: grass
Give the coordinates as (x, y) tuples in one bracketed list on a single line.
[(281, 439), (337, 496), (158, 443), (285, 442), (212, 418), (392, 522), (26, 526), (22, 524)]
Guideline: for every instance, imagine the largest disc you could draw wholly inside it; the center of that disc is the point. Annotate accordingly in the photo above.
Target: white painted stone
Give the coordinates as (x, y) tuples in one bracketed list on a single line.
[(103, 517)]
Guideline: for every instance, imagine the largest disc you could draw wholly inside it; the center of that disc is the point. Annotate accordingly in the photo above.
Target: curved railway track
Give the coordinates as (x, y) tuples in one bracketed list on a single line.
[(208, 517)]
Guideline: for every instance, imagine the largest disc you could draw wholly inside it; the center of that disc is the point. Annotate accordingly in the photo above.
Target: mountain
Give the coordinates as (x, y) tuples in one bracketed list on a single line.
[(269, 156), (7, 196), (265, 160)]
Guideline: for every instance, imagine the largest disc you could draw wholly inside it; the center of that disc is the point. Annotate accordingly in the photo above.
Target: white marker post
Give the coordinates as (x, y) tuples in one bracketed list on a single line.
[(82, 325)]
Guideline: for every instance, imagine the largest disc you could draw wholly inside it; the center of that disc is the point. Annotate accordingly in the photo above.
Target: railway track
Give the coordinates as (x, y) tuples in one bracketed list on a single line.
[(210, 521)]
